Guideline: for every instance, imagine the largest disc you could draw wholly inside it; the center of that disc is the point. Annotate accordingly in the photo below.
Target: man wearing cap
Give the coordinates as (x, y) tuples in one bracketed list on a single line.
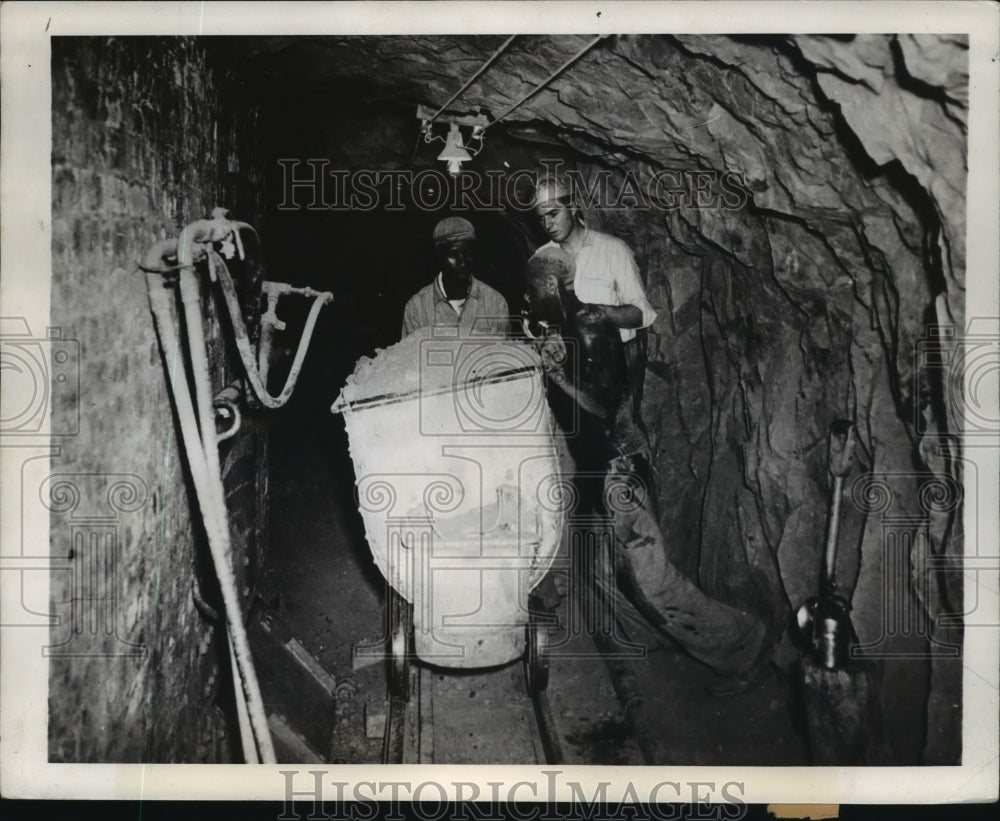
[(607, 278), (456, 298)]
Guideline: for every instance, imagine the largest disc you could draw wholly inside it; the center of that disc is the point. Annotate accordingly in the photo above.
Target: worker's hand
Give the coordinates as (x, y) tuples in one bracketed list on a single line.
[(553, 353), (532, 329), (591, 312)]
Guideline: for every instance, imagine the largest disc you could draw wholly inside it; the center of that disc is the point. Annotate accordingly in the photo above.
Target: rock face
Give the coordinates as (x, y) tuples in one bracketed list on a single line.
[(797, 207)]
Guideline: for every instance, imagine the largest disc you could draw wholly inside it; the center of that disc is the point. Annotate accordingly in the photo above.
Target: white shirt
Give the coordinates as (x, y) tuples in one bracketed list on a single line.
[(606, 274)]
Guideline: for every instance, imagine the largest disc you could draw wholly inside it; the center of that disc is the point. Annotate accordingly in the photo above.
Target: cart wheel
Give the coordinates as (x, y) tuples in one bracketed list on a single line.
[(538, 655), (400, 630)]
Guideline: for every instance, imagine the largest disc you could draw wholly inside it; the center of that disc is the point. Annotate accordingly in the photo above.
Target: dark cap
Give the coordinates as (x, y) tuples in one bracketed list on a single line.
[(453, 229)]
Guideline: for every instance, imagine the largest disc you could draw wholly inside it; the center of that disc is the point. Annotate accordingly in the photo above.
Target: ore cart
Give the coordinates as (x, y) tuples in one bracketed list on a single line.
[(461, 494)]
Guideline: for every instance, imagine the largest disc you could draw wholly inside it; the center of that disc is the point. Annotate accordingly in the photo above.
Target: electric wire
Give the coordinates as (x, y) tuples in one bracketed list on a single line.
[(547, 80), (472, 79)]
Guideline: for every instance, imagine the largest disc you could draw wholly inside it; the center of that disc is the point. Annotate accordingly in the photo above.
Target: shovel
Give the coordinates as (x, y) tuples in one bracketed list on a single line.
[(824, 620)]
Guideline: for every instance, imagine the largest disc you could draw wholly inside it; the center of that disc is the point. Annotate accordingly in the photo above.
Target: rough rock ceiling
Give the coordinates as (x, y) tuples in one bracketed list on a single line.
[(819, 126)]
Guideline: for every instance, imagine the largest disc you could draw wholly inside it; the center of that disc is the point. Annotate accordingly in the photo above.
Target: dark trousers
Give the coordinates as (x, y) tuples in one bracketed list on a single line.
[(636, 356), (726, 638)]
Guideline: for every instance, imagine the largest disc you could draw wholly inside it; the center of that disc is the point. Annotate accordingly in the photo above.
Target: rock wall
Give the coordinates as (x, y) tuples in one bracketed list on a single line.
[(807, 304), (142, 145)]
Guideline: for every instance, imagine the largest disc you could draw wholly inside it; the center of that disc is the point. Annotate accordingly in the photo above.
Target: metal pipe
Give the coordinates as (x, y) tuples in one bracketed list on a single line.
[(243, 345), (158, 253), (243, 714), (216, 522), (268, 323), (199, 429), (161, 306)]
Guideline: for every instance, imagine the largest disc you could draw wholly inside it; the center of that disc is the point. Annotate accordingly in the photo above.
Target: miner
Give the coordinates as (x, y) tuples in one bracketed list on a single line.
[(456, 298), (607, 278), (584, 357)]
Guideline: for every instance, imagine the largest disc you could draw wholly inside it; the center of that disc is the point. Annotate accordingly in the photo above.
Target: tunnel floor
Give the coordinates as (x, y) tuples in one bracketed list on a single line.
[(321, 585)]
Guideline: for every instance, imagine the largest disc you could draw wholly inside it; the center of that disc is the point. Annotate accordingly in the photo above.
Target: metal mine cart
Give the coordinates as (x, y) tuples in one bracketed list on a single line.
[(460, 491)]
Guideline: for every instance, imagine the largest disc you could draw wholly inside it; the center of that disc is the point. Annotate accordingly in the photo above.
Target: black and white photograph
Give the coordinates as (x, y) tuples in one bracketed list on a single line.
[(501, 388)]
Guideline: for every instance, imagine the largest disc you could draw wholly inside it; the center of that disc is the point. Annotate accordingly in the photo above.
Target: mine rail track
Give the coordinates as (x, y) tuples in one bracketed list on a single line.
[(409, 725)]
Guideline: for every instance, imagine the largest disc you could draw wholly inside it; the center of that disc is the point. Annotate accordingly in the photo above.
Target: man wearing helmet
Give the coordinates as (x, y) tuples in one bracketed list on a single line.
[(607, 278), (584, 356)]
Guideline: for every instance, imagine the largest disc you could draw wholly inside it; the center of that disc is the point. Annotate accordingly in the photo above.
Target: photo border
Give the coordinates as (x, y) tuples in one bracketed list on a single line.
[(25, 189)]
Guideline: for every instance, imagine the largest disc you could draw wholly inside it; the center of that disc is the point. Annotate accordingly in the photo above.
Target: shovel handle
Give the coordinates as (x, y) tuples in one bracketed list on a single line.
[(841, 460), (830, 554)]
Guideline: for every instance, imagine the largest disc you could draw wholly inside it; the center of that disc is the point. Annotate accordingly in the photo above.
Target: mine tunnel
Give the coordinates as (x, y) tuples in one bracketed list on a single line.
[(795, 208)]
